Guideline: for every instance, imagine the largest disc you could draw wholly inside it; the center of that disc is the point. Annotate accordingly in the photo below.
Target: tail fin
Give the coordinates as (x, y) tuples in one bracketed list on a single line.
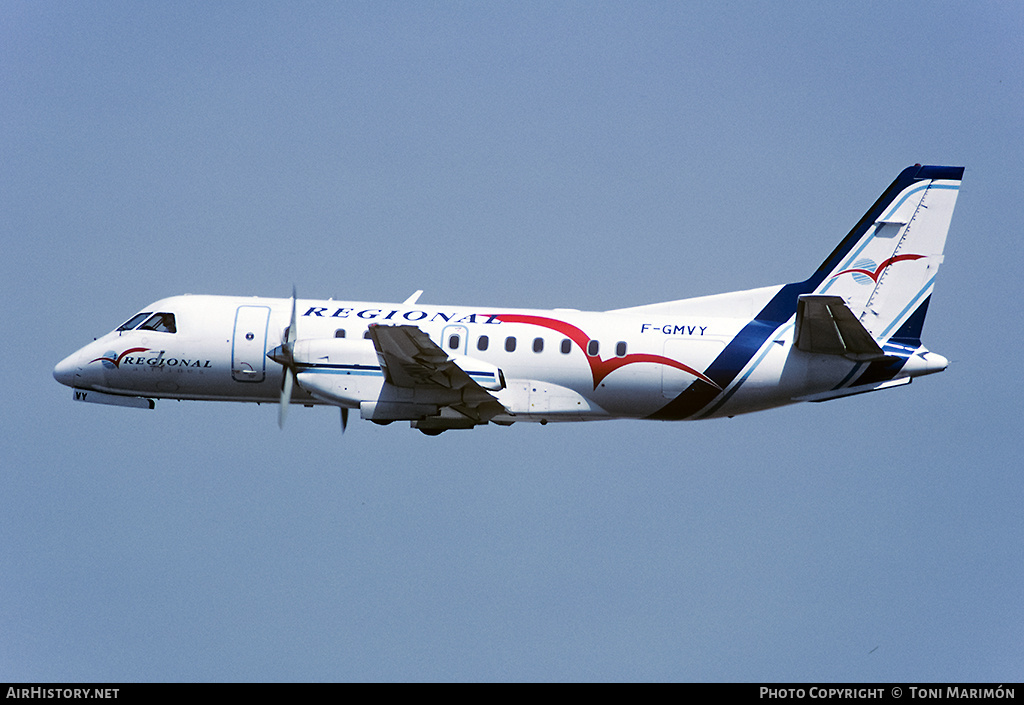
[(885, 268), (867, 300)]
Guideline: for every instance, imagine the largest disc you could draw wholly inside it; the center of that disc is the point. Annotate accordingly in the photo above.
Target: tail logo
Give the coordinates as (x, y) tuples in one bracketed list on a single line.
[(865, 271)]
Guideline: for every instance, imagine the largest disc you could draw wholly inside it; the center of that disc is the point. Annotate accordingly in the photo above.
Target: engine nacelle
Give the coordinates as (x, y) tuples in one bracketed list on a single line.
[(387, 411), (483, 373), (349, 373), (339, 371), (336, 351)]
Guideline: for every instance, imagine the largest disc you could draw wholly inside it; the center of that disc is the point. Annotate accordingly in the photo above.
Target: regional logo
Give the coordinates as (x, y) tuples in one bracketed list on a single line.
[(111, 360)]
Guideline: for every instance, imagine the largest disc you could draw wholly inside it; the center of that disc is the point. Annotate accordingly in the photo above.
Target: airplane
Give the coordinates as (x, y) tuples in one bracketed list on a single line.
[(853, 326)]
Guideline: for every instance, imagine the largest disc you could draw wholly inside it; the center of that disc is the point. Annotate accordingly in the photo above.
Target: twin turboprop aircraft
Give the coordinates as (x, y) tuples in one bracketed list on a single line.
[(853, 326)]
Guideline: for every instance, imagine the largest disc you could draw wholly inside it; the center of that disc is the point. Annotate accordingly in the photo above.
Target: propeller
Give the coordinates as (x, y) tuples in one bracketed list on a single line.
[(284, 355)]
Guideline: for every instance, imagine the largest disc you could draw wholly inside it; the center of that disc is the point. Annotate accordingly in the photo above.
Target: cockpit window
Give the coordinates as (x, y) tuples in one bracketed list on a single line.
[(134, 321), (161, 323)]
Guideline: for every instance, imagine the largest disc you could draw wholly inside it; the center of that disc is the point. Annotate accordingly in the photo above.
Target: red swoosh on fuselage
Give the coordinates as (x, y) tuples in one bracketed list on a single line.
[(117, 360), (878, 270), (598, 367)]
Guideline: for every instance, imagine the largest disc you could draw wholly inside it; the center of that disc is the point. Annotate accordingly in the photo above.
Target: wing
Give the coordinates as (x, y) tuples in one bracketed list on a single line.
[(410, 359)]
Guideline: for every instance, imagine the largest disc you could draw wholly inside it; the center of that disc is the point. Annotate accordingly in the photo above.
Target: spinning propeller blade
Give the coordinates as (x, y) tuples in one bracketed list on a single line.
[(285, 355), (286, 395)]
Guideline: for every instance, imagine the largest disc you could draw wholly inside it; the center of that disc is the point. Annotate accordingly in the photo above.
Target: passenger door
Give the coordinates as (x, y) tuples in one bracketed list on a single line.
[(249, 344)]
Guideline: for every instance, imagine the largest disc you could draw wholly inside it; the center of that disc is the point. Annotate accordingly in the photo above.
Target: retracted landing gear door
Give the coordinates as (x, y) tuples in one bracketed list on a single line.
[(249, 346)]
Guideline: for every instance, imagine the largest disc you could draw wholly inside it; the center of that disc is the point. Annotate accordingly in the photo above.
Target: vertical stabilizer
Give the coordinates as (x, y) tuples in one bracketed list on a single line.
[(885, 268)]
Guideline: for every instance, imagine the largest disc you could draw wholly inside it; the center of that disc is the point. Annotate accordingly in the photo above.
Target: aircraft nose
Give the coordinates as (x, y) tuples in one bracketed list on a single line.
[(67, 369)]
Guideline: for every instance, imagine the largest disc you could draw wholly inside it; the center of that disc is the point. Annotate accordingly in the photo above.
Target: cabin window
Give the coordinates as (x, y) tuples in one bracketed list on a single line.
[(566, 346), (538, 344), (340, 333), (481, 343), (510, 344), (620, 348), (160, 323), (134, 321), (593, 347), (453, 341), (366, 335)]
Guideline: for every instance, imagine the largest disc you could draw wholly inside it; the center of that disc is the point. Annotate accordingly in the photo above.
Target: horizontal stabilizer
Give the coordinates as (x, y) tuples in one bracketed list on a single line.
[(825, 325), (852, 391)]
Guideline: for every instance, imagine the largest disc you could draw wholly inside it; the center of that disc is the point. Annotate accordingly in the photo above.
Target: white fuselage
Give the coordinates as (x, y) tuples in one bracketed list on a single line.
[(555, 365)]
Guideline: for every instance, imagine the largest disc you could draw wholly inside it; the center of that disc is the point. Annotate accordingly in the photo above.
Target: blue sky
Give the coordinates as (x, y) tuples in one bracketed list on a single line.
[(589, 155)]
